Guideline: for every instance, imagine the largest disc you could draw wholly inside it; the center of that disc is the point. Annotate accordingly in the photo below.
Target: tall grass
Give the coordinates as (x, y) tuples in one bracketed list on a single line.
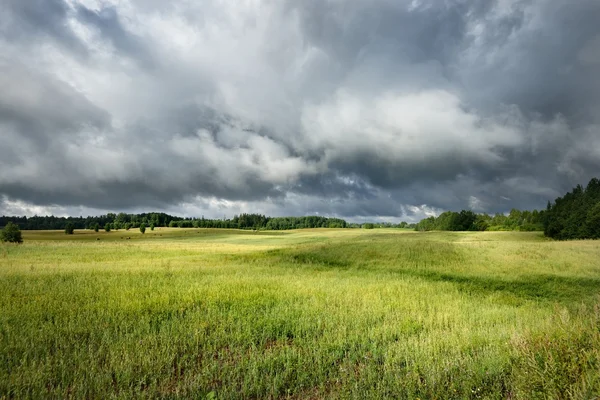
[(307, 314)]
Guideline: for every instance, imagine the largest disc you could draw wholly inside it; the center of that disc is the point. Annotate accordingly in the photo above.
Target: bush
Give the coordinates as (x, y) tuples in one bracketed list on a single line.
[(151, 227), (143, 228), (107, 227), (96, 227), (69, 228), (11, 233), (368, 225)]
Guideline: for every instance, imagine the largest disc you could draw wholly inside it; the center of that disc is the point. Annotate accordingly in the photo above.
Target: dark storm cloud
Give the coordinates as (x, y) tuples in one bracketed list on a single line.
[(38, 20), (107, 22), (41, 107), (537, 65), (354, 31), (355, 109)]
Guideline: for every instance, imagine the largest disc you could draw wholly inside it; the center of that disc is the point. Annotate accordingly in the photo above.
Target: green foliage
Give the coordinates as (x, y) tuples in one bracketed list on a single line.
[(576, 215), (96, 227), (593, 221), (11, 233), (282, 223), (59, 223), (185, 224), (258, 221), (368, 225), (482, 222), (152, 226), (466, 220), (69, 228), (128, 221), (143, 228), (250, 221), (107, 227)]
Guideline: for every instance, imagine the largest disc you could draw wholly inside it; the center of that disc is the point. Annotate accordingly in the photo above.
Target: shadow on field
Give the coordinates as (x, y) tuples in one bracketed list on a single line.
[(429, 261), (542, 287)]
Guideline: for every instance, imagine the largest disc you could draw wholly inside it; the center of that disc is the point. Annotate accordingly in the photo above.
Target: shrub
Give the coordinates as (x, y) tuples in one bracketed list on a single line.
[(69, 228), (107, 227), (11, 233), (143, 228), (368, 225)]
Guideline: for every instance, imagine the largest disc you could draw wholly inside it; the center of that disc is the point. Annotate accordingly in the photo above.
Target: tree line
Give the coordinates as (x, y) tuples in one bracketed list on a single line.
[(259, 221), (111, 220), (467, 220), (125, 221), (576, 215)]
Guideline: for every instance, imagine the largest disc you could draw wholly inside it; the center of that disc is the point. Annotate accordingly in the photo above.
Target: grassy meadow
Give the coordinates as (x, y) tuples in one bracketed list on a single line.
[(324, 313)]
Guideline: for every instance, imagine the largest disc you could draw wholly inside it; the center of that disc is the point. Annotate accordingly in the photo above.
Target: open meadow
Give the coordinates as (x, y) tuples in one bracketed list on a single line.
[(322, 313)]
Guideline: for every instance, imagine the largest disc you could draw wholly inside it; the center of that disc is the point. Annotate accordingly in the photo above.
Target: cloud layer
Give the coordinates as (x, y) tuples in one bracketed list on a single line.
[(359, 109)]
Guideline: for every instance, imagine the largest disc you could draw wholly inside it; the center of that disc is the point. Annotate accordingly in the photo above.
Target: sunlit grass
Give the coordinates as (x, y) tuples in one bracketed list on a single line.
[(304, 314)]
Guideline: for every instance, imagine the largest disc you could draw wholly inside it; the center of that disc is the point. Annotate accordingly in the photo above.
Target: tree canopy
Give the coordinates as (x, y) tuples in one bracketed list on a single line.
[(128, 221), (576, 215), (11, 233), (69, 228), (467, 220)]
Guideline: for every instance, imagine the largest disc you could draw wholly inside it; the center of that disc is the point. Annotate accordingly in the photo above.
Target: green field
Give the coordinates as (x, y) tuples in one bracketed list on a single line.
[(323, 313)]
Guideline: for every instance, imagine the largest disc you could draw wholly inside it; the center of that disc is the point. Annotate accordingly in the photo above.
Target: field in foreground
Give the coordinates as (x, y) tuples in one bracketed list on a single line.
[(299, 314)]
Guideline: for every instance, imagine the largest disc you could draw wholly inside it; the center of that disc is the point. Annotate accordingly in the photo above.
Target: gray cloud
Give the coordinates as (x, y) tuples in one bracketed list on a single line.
[(356, 109), (107, 22), (39, 21)]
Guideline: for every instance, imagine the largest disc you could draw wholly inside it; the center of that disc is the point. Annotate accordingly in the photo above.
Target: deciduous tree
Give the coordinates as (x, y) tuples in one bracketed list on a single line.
[(11, 233)]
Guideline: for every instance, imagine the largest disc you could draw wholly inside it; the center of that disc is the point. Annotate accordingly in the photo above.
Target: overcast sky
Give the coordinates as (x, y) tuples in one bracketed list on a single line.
[(374, 109)]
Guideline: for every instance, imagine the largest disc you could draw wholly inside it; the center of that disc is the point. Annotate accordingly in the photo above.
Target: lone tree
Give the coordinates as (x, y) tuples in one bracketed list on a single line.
[(11, 233), (107, 227), (69, 228), (152, 226), (143, 228), (96, 227)]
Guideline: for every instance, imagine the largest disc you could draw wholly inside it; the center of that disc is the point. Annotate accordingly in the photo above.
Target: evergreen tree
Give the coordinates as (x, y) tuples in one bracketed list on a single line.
[(576, 215)]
